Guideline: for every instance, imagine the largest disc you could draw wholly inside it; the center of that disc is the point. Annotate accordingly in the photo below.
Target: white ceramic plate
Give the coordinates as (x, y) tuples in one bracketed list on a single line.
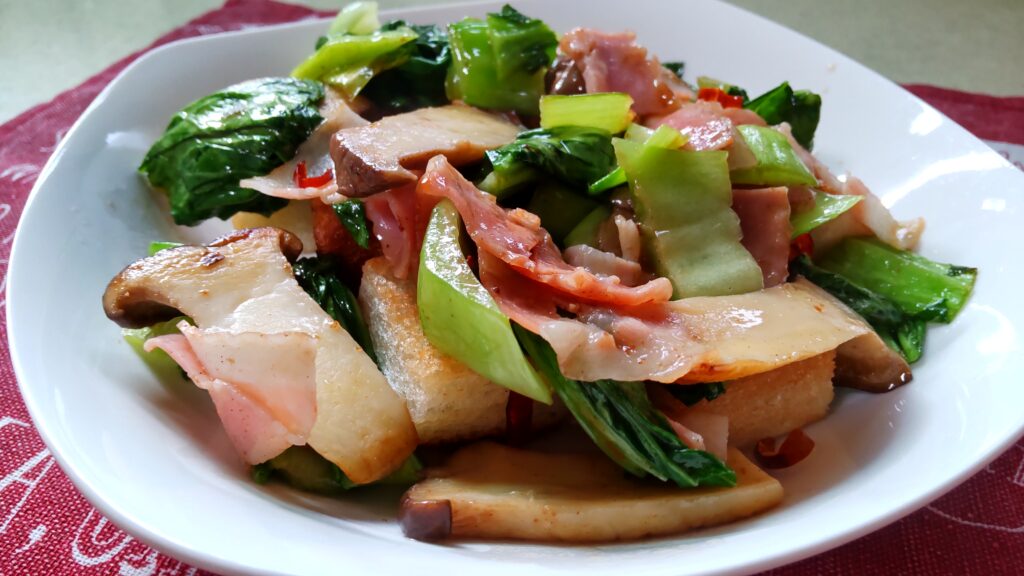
[(155, 460)]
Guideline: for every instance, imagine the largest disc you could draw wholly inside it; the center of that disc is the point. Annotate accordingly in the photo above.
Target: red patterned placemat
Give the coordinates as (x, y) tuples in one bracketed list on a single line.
[(47, 527)]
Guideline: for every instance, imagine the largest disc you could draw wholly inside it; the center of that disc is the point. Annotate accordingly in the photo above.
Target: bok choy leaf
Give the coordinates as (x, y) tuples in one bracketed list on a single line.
[(620, 419), (242, 131)]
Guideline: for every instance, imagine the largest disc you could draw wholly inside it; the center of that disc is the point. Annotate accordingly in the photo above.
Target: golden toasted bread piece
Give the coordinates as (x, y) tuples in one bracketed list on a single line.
[(296, 217), (488, 490), (775, 402), (447, 400)]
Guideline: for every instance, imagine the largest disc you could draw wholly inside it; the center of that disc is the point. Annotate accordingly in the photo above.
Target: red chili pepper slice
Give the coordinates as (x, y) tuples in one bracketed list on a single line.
[(304, 181), (720, 96), (793, 449), (802, 244)]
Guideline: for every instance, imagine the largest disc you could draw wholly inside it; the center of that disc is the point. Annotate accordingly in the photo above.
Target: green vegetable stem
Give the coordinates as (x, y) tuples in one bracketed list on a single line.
[(683, 204), (459, 316), (499, 63)]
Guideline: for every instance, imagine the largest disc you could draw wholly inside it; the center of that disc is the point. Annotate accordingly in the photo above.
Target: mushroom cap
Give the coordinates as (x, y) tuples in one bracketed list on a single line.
[(137, 296)]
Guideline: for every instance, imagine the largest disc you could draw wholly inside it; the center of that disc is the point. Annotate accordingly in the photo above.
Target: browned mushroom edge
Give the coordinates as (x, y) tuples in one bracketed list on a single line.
[(130, 303), (425, 519)]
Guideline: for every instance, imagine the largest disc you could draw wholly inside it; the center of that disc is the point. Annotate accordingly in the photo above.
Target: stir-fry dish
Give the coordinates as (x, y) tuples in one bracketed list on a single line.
[(552, 287)]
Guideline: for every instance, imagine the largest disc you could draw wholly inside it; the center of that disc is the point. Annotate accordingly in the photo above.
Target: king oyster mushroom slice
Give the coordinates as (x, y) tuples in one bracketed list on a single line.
[(488, 490), (243, 283), (382, 155)]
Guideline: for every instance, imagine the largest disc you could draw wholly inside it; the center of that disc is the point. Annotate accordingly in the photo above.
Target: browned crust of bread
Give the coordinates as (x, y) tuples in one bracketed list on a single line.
[(775, 402), (448, 401)]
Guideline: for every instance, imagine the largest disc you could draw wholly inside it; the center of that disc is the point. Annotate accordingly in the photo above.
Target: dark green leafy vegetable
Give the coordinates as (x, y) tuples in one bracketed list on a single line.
[(619, 418), (691, 394), (352, 215), (560, 210), (305, 469), (242, 131), (418, 82), (317, 278), (500, 63), (916, 284), (903, 332), (676, 68), (573, 155), (801, 109)]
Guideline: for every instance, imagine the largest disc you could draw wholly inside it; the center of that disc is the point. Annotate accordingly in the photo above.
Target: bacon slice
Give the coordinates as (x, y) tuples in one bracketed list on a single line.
[(615, 63), (243, 284), (393, 216), (315, 152), (253, 431), (704, 339), (602, 263), (708, 125), (704, 122), (764, 218), (516, 238), (868, 218)]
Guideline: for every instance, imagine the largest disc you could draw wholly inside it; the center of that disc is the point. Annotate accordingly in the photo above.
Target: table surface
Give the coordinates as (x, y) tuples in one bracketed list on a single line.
[(47, 46)]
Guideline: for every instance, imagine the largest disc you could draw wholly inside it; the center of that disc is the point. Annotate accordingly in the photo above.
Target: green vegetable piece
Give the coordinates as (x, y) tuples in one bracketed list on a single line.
[(352, 214), (511, 178), (916, 284), (620, 420), (901, 331), (305, 469), (521, 44), (500, 63), (683, 204), (420, 80), (638, 133), (826, 207), (165, 369), (691, 394), (776, 162), (459, 316), (731, 90), (573, 155), (676, 68), (356, 18), (559, 209), (613, 179), (666, 136), (242, 131), (155, 247), (587, 230), (608, 111), (349, 62), (801, 109), (317, 278)]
